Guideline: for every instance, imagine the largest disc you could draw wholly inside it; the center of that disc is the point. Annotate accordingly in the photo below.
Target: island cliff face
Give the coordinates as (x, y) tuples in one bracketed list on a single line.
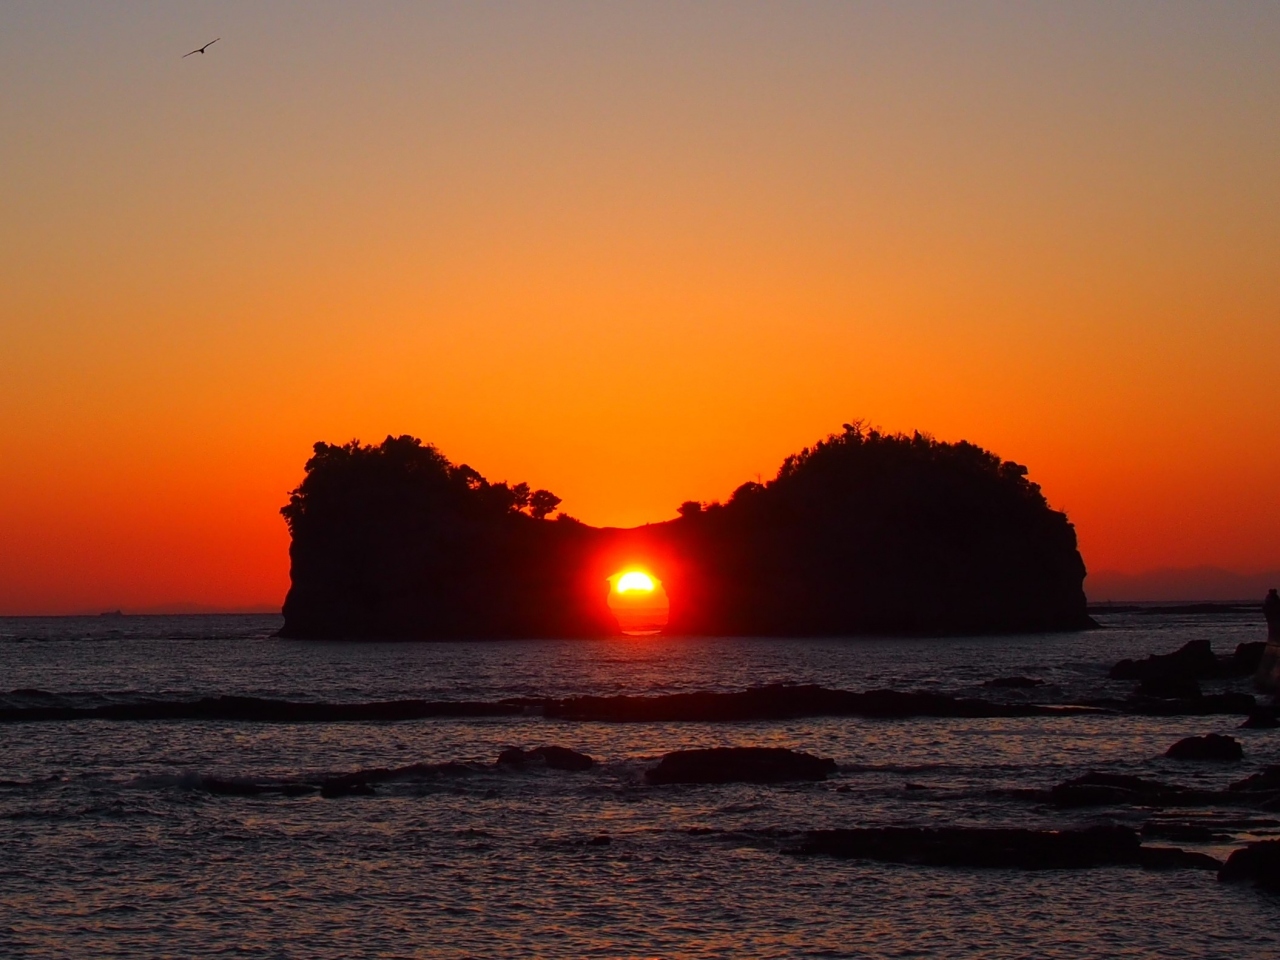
[(862, 533), (396, 541)]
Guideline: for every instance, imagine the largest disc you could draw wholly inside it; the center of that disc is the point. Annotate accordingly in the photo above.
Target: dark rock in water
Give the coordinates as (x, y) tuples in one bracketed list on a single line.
[(1108, 789), (1092, 795), (554, 758), (1268, 780), (774, 702), (1261, 718), (261, 710), (999, 848), (1015, 683), (1175, 675), (233, 788), (602, 840), (1247, 658), (1168, 688), (360, 783), (1172, 858), (740, 765), (1104, 790), (236, 787), (511, 756), (562, 758), (1258, 862), (785, 701), (1212, 746), (346, 787), (1183, 832), (1214, 704), (1121, 781), (1194, 660)]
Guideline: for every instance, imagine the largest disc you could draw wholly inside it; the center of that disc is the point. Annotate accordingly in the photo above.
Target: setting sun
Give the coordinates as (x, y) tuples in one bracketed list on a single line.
[(635, 580)]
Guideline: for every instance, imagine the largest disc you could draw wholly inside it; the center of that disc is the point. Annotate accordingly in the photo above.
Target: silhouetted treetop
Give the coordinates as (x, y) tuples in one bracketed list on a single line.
[(861, 457), (404, 474)]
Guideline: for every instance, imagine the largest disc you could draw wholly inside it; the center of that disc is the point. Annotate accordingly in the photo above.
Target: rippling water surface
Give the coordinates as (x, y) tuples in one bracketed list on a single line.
[(114, 847)]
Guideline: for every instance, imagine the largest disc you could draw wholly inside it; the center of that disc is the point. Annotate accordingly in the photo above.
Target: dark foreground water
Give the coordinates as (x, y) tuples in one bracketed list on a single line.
[(112, 845)]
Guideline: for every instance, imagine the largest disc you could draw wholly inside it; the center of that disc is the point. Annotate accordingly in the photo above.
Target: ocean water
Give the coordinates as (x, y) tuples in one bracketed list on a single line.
[(113, 845)]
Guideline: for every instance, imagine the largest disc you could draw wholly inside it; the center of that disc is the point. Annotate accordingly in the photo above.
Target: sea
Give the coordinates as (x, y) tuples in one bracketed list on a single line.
[(115, 843)]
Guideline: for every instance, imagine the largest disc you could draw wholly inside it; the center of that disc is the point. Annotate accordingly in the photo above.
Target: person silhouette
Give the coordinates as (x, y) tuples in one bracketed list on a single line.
[(1271, 610)]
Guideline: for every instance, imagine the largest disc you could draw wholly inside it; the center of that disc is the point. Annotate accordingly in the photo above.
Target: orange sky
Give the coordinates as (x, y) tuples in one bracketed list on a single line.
[(634, 254)]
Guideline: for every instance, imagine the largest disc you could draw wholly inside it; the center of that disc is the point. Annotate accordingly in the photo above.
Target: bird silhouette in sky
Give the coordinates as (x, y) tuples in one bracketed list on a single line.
[(201, 49)]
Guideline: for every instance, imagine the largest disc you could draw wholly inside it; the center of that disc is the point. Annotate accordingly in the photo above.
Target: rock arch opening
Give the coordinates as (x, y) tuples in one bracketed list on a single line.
[(639, 601)]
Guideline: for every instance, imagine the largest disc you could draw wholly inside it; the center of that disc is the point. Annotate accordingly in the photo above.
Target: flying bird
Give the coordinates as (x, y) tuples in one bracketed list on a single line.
[(201, 49)]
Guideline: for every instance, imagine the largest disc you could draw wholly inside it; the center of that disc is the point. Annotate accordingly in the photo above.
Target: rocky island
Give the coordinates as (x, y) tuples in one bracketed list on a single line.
[(864, 532)]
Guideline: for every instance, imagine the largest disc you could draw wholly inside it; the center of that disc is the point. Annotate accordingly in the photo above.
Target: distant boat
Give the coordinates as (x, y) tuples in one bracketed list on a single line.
[(112, 613)]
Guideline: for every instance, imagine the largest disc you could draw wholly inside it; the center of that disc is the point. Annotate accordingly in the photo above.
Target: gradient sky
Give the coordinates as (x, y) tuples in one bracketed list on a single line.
[(632, 253)]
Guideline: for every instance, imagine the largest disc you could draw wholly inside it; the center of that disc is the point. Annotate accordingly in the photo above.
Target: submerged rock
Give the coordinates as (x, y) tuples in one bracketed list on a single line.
[(1268, 780), (1174, 858), (240, 787), (1247, 658), (1258, 862), (552, 757), (1108, 789), (1261, 718), (1194, 660), (233, 787), (361, 782), (1001, 848), (1213, 746), (263, 710), (346, 787), (1183, 832), (1215, 704), (1169, 688), (739, 765), (1014, 683), (1094, 789), (787, 701)]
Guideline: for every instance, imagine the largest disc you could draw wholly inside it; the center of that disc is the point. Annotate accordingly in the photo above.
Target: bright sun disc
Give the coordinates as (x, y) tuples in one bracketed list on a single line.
[(634, 581)]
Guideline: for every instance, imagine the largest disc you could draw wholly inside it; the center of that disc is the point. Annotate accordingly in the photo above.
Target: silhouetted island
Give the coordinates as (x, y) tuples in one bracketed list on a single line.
[(862, 533)]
